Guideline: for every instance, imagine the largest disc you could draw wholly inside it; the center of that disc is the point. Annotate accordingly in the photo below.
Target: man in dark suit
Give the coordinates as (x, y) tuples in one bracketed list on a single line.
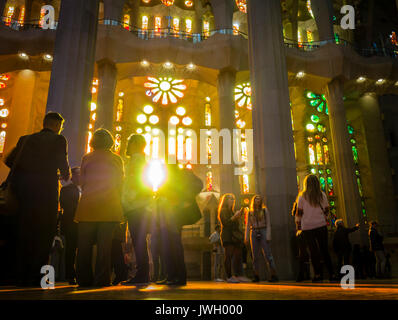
[(34, 164)]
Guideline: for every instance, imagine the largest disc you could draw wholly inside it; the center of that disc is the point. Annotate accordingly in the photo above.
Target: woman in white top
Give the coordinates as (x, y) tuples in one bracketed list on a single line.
[(311, 218), (258, 224)]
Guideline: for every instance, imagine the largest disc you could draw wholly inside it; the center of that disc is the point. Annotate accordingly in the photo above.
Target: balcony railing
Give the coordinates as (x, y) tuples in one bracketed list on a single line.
[(147, 34)]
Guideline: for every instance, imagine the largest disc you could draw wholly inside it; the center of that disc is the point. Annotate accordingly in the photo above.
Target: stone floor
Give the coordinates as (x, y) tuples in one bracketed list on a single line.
[(196, 290)]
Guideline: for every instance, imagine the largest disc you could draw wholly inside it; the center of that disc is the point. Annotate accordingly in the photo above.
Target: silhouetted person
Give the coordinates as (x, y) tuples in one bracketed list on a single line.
[(136, 199), (341, 243), (118, 263), (34, 164), (377, 247), (358, 262), (99, 211), (69, 199)]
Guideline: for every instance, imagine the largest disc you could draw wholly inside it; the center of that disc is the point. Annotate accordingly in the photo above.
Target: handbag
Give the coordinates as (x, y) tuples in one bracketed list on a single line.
[(8, 199)]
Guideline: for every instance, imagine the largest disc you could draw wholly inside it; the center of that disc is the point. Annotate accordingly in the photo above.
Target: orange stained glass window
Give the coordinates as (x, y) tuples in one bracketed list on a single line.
[(236, 29), (2, 141), (209, 181), (208, 114), (119, 110), (311, 151), (89, 137), (22, 16), (188, 26), (244, 151), (245, 184), (176, 25), (206, 28), (145, 22), (126, 21), (118, 142), (209, 148), (10, 13), (319, 153), (326, 153), (158, 24)]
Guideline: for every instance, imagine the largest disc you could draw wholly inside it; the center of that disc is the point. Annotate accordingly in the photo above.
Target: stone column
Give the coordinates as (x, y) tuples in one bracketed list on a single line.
[(226, 85), (28, 10), (349, 201), (380, 168), (113, 10), (135, 13), (72, 71), (223, 11), (323, 12), (106, 93), (273, 136)]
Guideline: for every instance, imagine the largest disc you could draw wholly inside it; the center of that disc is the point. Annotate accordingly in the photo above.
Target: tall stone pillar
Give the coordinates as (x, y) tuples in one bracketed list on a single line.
[(106, 93), (113, 10), (323, 12), (273, 136), (72, 71), (226, 84), (223, 11), (349, 201), (28, 10), (135, 13), (2, 7), (380, 169)]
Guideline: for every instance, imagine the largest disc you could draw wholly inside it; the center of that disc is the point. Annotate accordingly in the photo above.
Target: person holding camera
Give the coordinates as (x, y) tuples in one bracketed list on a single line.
[(258, 224)]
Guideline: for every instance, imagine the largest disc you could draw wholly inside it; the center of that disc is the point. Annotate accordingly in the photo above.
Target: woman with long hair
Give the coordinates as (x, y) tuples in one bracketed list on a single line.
[(258, 225), (231, 235), (311, 218)]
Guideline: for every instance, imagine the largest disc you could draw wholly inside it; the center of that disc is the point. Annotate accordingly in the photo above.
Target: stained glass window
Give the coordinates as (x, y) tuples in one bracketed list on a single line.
[(145, 22), (319, 155), (165, 89), (243, 94), (209, 181), (206, 28), (10, 13), (176, 25), (21, 19), (2, 141), (158, 24), (188, 26), (207, 114), (126, 21), (236, 29), (245, 184), (242, 6), (119, 110), (311, 150)]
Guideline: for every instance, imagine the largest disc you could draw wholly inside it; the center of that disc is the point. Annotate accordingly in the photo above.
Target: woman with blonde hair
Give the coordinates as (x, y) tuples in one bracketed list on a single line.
[(311, 218), (231, 235), (258, 226)]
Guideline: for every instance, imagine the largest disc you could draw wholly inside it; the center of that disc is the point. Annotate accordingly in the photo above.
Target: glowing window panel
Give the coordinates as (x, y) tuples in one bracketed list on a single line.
[(319, 153), (139, 131), (174, 120), (188, 3), (240, 124), (360, 187), (89, 137), (187, 121), (330, 184), (4, 125), (2, 85), (148, 109), (310, 127), (326, 154), (188, 26), (242, 5), (236, 29), (42, 14), (243, 94), (176, 25), (153, 119), (350, 130), (126, 21), (209, 181), (158, 24), (245, 184), (322, 181), (355, 154), (315, 118), (180, 147), (310, 37), (93, 116), (172, 145), (189, 149), (93, 106), (209, 147), (207, 115), (206, 28), (148, 129), (147, 149), (119, 110), (4, 77), (1, 102), (299, 39), (118, 128), (309, 8), (144, 23), (317, 101), (141, 118), (180, 111), (118, 143), (168, 3), (2, 141), (244, 151), (22, 16), (10, 13), (4, 113), (311, 151), (166, 90)]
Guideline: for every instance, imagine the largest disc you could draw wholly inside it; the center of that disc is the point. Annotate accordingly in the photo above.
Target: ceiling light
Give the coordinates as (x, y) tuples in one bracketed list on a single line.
[(300, 74)]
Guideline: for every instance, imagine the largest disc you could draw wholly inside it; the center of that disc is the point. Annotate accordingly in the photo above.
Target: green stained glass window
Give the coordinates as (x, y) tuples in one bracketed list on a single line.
[(323, 183), (313, 171), (357, 172), (353, 141), (337, 38), (350, 130), (332, 203), (320, 171), (315, 102), (333, 211), (355, 154), (311, 95), (359, 187), (320, 107), (330, 183), (321, 128), (315, 118), (328, 171)]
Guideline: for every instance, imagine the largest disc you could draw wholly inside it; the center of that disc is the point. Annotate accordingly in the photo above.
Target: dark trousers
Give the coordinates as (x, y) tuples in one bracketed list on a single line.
[(138, 227), (158, 259), (36, 228), (118, 265), (173, 253), (304, 259), (317, 242), (343, 258), (70, 234), (233, 255), (89, 234)]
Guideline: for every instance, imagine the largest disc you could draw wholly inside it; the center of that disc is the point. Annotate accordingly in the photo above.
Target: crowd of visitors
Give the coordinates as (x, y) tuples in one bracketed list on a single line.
[(103, 200)]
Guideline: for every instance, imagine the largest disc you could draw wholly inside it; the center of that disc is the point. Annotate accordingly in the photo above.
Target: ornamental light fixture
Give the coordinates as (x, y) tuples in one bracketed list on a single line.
[(191, 66), (144, 63), (48, 57), (380, 81), (300, 74), (361, 79), (23, 55), (168, 65)]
